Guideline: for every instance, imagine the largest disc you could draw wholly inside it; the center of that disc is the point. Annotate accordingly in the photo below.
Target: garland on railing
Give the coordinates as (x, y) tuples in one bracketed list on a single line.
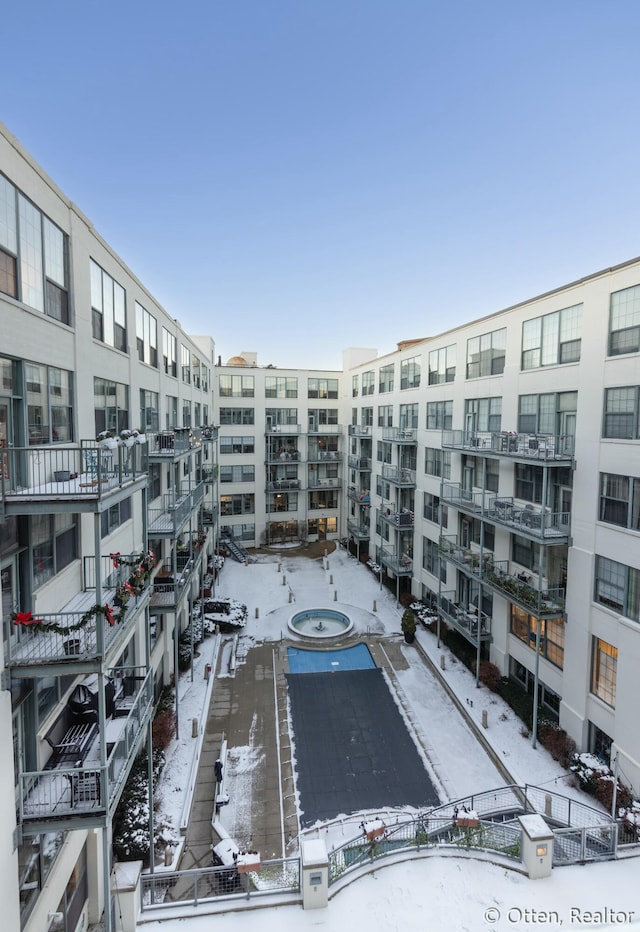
[(38, 624), (142, 568)]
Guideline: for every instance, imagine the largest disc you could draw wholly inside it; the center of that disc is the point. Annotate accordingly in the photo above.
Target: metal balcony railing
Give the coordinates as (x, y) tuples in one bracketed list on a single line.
[(529, 520), (169, 443), (82, 473), (358, 531), (400, 434), (400, 563), (277, 485), (314, 428), (315, 455), (361, 496), (271, 428), (537, 599), (403, 520), (398, 475), (465, 558), (359, 430), (465, 618), (542, 447), (79, 792), (363, 463), (324, 482)]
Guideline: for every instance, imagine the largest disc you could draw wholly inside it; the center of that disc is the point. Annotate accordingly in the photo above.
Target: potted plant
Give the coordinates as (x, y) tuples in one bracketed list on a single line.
[(127, 438), (107, 440), (408, 625)]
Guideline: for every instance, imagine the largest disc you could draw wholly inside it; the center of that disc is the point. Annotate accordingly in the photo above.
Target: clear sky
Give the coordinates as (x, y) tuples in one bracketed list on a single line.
[(299, 176)]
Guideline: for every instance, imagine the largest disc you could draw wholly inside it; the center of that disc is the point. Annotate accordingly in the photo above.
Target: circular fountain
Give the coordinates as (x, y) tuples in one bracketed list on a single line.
[(319, 623)]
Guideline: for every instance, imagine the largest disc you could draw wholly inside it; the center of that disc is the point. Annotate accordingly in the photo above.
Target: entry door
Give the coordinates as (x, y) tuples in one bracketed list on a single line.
[(322, 528)]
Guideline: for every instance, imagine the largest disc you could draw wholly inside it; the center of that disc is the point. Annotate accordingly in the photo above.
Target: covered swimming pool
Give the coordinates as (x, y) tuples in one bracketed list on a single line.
[(330, 661)]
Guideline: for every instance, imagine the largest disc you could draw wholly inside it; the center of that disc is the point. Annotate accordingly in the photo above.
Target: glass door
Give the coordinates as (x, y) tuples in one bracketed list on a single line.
[(5, 435)]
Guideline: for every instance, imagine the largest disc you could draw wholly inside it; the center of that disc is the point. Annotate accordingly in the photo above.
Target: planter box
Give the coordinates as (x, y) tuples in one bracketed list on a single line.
[(247, 863), (62, 475), (467, 821)]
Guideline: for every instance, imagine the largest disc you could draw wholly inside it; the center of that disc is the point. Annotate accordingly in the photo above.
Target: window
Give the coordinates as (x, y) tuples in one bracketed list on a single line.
[(108, 309), (546, 414), (185, 364), (552, 339), (433, 510), (439, 415), (204, 370), (146, 336), (618, 587), (620, 500), (54, 544), (33, 255), (280, 386), (236, 415), (113, 517), (431, 559), (355, 379), (280, 417), (368, 382), (242, 504), (486, 354), (322, 388), (111, 405), (621, 418), (149, 412), (169, 353), (525, 552), (367, 417), (230, 445), (322, 416), (236, 386), (243, 473), (383, 451), (410, 373), (154, 481), (323, 498), (483, 414), (171, 414), (551, 634), (442, 365), (604, 667), (239, 531), (437, 462), (49, 395), (186, 413), (386, 377), (409, 415), (195, 368), (385, 415), (529, 482), (624, 321)]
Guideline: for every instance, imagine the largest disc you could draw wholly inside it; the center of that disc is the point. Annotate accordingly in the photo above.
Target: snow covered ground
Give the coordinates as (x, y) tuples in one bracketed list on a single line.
[(439, 892)]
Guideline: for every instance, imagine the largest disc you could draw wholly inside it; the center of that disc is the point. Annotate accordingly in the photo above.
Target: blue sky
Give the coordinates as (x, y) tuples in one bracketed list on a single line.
[(299, 176)]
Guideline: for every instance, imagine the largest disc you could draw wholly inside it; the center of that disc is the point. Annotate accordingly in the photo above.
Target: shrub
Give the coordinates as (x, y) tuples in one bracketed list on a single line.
[(489, 675), (131, 819), (595, 778), (406, 599), (163, 729), (557, 742), (519, 700), (408, 622)]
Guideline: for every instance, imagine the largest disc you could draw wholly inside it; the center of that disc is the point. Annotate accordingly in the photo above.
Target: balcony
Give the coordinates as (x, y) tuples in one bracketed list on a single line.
[(170, 589), (527, 520), (291, 429), (517, 587), (466, 619), (402, 520), (407, 435), (83, 475), (324, 482), (363, 463), (83, 796), (399, 563), (397, 475), (324, 428), (168, 519), (317, 455), (360, 496), (210, 514), (464, 558), (170, 444), (81, 635), (358, 531), (543, 448), (359, 430), (280, 454), (277, 485)]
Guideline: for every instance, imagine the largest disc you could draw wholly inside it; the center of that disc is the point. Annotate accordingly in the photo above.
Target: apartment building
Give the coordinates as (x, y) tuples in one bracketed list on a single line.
[(494, 472), (281, 448), (108, 505)]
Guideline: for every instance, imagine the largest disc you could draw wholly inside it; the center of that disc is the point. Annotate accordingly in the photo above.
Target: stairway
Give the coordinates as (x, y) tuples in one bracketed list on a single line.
[(233, 548)]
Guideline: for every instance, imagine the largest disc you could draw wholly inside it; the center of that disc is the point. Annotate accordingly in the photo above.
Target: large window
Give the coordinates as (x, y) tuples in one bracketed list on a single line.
[(552, 339), (243, 473), (367, 417), (437, 462), (431, 559), (409, 415), (54, 544), (433, 510), (280, 386), (442, 365), (624, 321), (486, 354), (604, 670), (280, 417), (621, 413), (620, 500), (549, 413), (383, 451), (229, 445), (322, 388), (149, 412), (146, 336), (169, 353), (439, 415), (236, 415), (385, 415), (115, 516), (242, 504), (368, 382), (386, 376), (111, 405), (551, 634), (355, 382), (171, 413), (108, 309), (49, 404), (410, 373), (618, 587), (321, 416), (529, 482), (236, 386), (525, 552), (484, 414), (185, 364), (33, 255)]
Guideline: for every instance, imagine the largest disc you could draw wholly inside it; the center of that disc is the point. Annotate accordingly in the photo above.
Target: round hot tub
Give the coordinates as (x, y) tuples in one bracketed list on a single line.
[(320, 623)]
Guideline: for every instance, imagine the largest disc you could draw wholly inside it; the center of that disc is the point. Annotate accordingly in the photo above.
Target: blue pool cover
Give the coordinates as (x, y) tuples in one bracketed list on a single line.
[(330, 661)]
